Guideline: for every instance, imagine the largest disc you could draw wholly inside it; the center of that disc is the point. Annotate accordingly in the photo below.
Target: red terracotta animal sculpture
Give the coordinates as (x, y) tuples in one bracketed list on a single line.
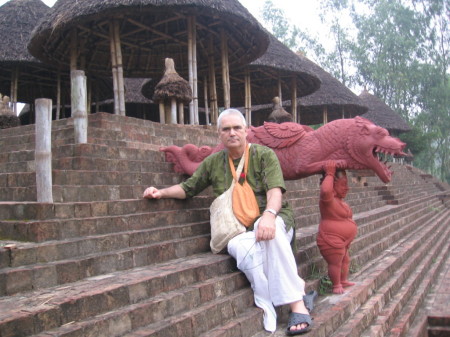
[(351, 143)]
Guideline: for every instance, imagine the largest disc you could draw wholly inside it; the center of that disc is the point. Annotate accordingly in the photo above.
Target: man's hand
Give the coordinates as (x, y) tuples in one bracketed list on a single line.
[(330, 167), (152, 193), (266, 227)]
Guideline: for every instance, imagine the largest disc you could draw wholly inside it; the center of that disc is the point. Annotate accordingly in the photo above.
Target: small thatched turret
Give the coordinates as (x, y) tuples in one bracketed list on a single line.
[(171, 92), (7, 117), (279, 115)]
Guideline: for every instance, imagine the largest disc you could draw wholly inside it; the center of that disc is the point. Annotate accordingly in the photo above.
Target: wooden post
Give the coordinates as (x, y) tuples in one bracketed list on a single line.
[(225, 70), (119, 65), (294, 99), (343, 113), (73, 50), (114, 69), (325, 115), (212, 82), (192, 63), (194, 67), (79, 108), (280, 92), (58, 96), (173, 110), (14, 89), (180, 113), (205, 94), (43, 151), (248, 98), (162, 113)]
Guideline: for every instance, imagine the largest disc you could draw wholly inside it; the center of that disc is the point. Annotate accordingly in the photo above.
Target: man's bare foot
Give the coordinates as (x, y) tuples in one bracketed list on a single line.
[(300, 308)]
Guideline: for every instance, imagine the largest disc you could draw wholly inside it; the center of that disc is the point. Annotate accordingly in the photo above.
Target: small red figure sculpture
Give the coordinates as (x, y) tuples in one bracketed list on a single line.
[(337, 228)]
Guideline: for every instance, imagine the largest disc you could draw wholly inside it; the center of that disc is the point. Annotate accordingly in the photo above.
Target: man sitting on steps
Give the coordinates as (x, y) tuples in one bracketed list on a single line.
[(263, 253)]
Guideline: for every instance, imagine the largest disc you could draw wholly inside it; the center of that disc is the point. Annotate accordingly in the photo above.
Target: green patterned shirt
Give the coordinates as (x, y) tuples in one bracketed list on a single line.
[(264, 173)]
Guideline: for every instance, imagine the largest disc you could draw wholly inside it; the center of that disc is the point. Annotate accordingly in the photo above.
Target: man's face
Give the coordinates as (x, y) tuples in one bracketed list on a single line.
[(232, 132)]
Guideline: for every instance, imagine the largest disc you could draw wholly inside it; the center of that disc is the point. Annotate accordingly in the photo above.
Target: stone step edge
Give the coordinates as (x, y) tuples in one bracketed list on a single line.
[(67, 271), (376, 311), (107, 320), (315, 263), (409, 310), (50, 301), (360, 293)]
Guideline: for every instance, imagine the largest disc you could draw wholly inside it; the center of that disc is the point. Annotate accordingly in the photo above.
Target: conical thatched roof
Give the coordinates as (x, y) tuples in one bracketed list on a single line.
[(382, 115), (150, 31), (332, 95), (133, 88), (17, 20), (35, 79), (171, 85), (278, 62), (278, 114)]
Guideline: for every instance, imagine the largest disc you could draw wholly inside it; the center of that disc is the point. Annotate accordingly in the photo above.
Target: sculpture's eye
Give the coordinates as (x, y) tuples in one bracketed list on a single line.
[(381, 132)]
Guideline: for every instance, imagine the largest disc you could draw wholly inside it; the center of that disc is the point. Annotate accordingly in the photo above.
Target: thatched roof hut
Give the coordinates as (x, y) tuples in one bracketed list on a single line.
[(332, 101), (17, 20), (24, 77), (277, 66), (150, 31), (381, 114), (131, 38)]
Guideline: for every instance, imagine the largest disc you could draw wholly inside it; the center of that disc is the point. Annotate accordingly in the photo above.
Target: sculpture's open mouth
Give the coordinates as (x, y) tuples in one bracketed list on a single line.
[(380, 157)]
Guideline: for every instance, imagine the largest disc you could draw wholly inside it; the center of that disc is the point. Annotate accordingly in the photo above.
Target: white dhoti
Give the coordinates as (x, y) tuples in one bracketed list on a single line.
[(270, 268)]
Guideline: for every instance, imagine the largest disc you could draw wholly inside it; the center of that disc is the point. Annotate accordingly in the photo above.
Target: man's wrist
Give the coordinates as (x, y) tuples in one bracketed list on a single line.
[(271, 210)]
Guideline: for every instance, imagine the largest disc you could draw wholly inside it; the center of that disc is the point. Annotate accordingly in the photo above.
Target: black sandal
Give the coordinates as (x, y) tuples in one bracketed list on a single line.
[(295, 319)]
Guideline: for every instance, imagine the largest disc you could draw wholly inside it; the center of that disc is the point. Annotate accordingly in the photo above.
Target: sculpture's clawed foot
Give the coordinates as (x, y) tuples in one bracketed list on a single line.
[(338, 289)]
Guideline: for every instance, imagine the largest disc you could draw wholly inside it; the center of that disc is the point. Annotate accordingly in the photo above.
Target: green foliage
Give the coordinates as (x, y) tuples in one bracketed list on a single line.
[(397, 49)]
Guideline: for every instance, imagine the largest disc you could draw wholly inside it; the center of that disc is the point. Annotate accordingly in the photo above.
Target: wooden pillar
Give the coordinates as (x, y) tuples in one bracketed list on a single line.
[(180, 113), (205, 94), (73, 49), (294, 99), (14, 89), (280, 91), (248, 97), (119, 64), (325, 115), (58, 95), (43, 151), (173, 110), (225, 70), (79, 105), (162, 113), (212, 83), (117, 68), (192, 60), (343, 112)]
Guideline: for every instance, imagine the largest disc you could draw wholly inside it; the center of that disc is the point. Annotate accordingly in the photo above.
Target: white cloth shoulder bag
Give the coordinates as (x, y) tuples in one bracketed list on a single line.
[(224, 225)]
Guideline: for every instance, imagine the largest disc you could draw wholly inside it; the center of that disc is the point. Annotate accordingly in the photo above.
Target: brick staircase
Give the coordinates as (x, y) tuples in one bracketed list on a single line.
[(101, 261)]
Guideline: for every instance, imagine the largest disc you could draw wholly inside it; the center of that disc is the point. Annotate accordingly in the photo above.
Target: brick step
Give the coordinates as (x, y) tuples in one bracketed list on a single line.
[(42, 310), (23, 211), (432, 317), (42, 275), (375, 316), (83, 178), (102, 218), (181, 312), (333, 311), (416, 291), (373, 237)]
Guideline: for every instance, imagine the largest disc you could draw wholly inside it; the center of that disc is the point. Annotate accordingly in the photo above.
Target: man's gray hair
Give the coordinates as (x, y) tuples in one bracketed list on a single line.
[(230, 112)]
